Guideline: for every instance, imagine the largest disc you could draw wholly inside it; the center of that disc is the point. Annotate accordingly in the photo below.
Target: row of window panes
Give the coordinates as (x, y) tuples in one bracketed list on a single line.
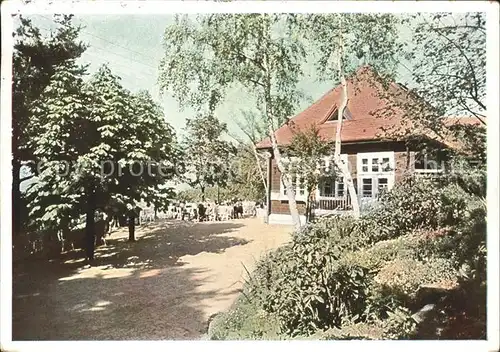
[(427, 165), (384, 165), (367, 186), (331, 188), (302, 187)]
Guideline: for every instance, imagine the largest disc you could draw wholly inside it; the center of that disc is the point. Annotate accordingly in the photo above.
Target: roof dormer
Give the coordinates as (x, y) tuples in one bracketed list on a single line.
[(333, 117)]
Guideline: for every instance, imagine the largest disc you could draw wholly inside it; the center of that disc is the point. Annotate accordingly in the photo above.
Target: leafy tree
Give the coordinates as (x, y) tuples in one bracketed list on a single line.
[(206, 154), (247, 181), (309, 148), (259, 53), (253, 126), (114, 145), (343, 41), (54, 197), (137, 143), (35, 60), (147, 159)]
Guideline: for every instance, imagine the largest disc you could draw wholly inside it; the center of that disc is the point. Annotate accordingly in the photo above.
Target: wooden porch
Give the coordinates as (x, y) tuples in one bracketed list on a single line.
[(332, 205)]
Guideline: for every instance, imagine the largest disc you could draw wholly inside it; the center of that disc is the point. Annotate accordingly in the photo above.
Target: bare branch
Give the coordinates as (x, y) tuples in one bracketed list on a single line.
[(468, 62)]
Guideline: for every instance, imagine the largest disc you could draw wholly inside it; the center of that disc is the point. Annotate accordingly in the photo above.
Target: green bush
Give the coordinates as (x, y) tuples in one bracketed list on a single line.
[(305, 286), (244, 321), (407, 275), (465, 242), (377, 255), (399, 325), (414, 204), (358, 331)]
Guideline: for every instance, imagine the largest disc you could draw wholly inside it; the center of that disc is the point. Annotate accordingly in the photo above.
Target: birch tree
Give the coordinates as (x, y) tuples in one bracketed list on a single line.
[(449, 61), (343, 42), (258, 53), (253, 128)]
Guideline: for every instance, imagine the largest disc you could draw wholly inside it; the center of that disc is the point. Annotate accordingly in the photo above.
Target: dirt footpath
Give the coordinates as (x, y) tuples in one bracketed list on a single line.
[(164, 286)]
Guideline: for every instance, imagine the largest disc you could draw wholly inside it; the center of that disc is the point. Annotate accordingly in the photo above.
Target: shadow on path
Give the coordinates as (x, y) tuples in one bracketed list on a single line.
[(136, 290)]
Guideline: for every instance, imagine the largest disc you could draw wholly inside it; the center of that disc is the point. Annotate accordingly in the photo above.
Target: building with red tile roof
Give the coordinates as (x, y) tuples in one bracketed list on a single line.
[(374, 134)]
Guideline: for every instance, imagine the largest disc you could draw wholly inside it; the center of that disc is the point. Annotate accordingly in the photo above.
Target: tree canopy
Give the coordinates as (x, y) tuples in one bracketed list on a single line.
[(36, 58), (207, 155), (98, 146)]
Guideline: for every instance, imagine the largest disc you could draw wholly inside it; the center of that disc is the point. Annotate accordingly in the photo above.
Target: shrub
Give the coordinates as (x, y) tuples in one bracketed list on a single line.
[(358, 279), (399, 325), (408, 205), (244, 321), (407, 275), (305, 286), (358, 331), (465, 242), (377, 255), (414, 204)]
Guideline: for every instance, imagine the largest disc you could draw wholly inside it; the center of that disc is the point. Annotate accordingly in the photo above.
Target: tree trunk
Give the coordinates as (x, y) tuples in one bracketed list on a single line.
[(308, 207), (344, 170), (131, 227), (286, 179), (90, 226), (66, 233), (258, 166), (309, 204), (202, 193)]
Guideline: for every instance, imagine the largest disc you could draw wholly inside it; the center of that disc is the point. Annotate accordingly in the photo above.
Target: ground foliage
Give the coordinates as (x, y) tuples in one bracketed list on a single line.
[(342, 278)]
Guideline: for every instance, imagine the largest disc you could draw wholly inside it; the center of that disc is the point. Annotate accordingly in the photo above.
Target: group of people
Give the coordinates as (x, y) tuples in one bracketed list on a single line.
[(211, 211)]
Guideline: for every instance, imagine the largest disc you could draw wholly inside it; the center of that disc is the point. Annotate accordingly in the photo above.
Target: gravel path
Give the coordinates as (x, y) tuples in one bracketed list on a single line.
[(164, 286)]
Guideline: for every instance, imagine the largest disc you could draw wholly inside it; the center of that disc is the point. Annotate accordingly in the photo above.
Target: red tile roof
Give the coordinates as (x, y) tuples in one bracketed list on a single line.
[(365, 104)]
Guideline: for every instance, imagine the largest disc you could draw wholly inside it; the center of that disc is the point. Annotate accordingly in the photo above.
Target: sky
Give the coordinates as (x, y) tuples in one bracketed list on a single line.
[(132, 46)]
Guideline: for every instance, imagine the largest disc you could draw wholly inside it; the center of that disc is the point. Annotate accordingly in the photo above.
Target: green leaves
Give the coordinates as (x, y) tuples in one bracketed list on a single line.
[(447, 60), (367, 39), (102, 133), (205, 57), (207, 155)]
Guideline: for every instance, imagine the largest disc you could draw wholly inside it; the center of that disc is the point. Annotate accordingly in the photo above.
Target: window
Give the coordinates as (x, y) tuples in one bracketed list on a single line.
[(334, 116), (386, 165), (374, 185), (429, 163), (378, 162), (426, 164), (340, 188), (299, 186), (367, 189), (294, 184), (382, 184), (365, 165), (327, 187), (331, 188)]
